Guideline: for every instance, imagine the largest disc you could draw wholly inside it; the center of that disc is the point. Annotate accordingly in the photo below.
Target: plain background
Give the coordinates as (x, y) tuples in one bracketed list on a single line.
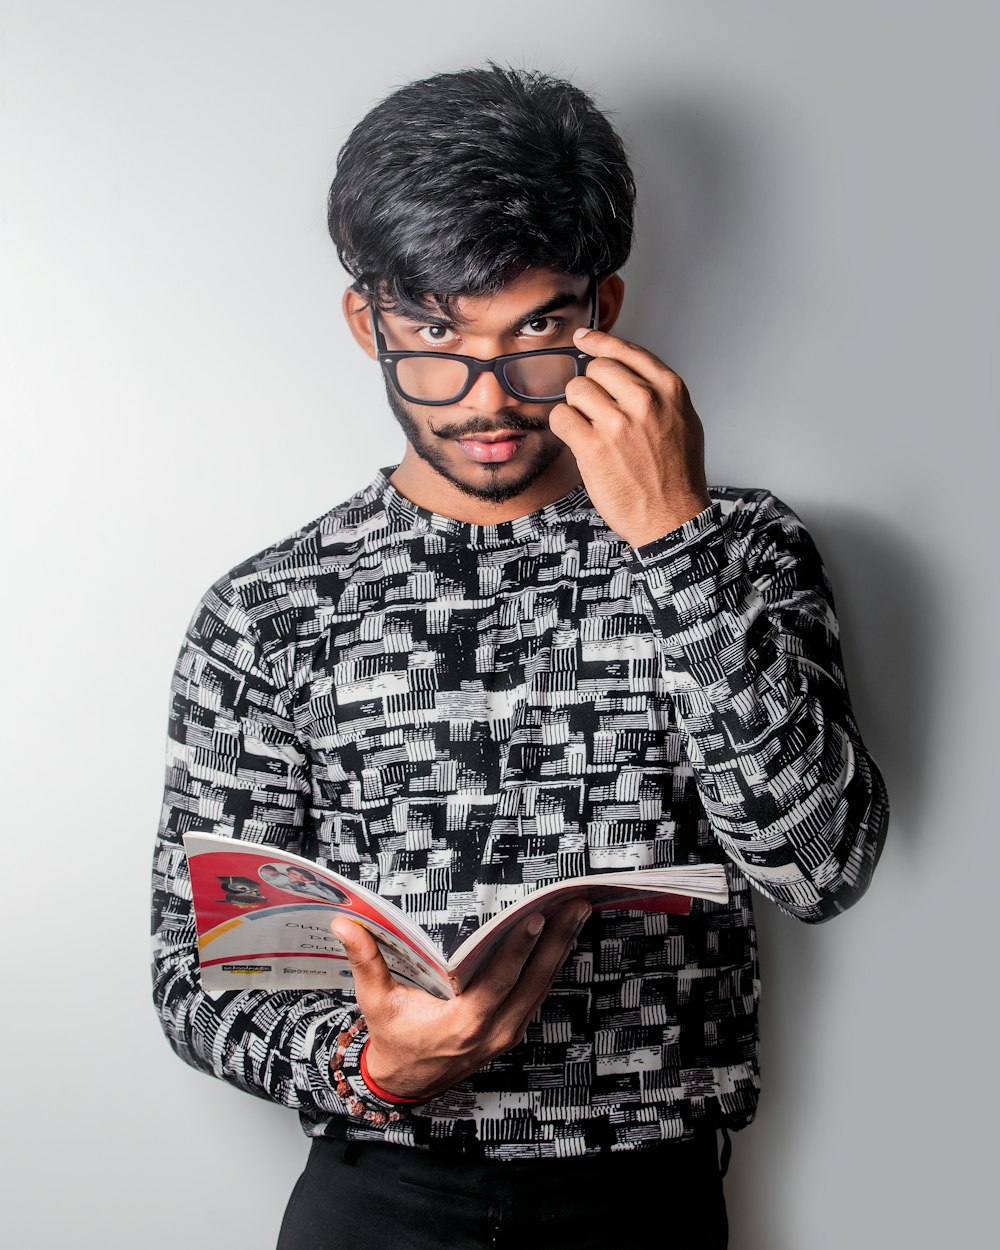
[(815, 257)]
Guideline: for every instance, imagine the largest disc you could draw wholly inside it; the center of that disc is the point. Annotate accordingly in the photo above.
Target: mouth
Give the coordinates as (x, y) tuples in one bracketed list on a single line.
[(492, 448)]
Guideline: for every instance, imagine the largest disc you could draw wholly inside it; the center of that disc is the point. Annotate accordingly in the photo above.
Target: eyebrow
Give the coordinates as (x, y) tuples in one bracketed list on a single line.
[(562, 299)]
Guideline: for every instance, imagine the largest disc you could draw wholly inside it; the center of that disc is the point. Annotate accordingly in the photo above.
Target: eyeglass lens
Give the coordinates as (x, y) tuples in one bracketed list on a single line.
[(540, 377), (423, 377)]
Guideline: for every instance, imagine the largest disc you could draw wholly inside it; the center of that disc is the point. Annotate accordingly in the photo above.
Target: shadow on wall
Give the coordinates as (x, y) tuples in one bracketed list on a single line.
[(719, 199), (889, 613), (888, 617)]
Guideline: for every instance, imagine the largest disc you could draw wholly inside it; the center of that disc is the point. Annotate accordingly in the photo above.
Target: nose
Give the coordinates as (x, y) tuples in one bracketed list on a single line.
[(487, 395)]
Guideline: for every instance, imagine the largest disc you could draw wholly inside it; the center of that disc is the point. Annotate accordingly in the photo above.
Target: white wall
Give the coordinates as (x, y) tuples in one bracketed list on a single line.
[(815, 258)]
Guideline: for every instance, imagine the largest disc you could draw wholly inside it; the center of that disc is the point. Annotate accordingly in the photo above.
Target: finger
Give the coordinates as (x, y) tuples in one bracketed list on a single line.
[(550, 954), (534, 1007), (570, 425), (629, 391), (521, 1030), (372, 978), (587, 396), (494, 982), (609, 346), (500, 974), (517, 1014), (548, 957), (612, 399)]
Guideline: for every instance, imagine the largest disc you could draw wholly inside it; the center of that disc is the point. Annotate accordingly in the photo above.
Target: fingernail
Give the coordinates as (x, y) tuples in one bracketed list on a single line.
[(582, 332), (535, 925), (581, 916)]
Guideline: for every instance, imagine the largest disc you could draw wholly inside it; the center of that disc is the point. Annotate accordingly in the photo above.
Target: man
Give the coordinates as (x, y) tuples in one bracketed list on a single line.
[(538, 646)]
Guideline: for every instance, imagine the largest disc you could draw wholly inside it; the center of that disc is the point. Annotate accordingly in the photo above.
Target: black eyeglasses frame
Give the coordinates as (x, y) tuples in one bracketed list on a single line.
[(389, 360)]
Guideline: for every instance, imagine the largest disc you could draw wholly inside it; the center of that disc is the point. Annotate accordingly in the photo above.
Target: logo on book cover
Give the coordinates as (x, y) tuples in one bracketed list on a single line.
[(247, 968)]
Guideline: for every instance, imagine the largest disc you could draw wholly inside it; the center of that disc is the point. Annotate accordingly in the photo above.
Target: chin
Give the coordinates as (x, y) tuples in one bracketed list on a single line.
[(498, 483)]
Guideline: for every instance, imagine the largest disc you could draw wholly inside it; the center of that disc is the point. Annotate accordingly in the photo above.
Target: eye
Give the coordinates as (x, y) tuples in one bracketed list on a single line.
[(435, 335), (542, 327)]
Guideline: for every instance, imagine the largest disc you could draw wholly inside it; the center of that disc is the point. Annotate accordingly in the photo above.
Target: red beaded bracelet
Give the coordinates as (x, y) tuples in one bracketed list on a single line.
[(377, 1089)]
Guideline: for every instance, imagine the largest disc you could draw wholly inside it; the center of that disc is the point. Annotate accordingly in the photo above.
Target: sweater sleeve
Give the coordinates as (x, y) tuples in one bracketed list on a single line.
[(236, 767), (748, 636)]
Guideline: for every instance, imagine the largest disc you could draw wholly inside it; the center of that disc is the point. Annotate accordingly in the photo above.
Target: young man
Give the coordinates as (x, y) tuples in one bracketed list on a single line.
[(537, 647)]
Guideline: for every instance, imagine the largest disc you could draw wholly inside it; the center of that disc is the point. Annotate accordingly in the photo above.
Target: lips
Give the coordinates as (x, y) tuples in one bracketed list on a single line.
[(491, 448)]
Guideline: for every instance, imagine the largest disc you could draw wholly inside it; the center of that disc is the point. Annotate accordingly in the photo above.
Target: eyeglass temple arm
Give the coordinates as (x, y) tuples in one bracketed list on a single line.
[(379, 338)]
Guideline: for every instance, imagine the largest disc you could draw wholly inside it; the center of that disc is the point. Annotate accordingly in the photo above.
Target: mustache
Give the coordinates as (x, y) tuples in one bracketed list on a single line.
[(490, 425)]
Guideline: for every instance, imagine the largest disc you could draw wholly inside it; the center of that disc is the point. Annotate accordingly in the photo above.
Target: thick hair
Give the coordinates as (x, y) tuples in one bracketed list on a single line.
[(456, 184)]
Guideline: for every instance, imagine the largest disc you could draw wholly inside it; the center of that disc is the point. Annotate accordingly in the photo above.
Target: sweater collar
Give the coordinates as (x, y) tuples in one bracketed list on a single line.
[(404, 515)]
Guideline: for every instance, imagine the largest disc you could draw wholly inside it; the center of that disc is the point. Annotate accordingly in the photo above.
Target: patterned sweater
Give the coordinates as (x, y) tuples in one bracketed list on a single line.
[(454, 715)]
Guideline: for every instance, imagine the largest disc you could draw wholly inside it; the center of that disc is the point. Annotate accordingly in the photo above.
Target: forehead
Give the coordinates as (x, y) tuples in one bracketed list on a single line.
[(526, 294)]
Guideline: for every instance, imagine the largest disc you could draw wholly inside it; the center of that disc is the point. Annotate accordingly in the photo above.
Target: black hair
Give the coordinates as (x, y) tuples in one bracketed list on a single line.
[(456, 184)]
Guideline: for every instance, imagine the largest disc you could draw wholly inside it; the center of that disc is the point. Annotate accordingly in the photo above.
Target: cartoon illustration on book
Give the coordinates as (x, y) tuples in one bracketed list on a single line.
[(241, 891)]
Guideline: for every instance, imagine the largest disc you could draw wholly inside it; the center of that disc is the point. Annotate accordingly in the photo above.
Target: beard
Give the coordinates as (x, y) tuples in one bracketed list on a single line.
[(491, 487)]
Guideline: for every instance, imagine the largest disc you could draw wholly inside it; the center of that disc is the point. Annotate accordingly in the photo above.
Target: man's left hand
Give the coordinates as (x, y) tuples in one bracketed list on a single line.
[(637, 439)]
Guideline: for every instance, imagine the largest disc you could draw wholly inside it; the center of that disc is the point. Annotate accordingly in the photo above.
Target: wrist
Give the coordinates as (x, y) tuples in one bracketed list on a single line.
[(376, 1089)]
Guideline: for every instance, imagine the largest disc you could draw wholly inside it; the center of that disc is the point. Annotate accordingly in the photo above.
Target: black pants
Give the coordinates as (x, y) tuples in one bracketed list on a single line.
[(363, 1197)]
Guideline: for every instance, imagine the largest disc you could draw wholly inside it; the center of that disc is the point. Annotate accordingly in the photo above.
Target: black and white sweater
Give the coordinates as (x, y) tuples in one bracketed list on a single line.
[(454, 715)]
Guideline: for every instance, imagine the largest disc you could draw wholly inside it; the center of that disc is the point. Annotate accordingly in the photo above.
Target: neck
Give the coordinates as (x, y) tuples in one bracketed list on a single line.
[(425, 487)]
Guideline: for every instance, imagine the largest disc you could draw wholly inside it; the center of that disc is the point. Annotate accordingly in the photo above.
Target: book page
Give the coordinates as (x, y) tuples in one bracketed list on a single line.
[(661, 890)]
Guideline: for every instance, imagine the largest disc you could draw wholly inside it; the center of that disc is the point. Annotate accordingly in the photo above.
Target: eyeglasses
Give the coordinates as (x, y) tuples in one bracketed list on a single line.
[(444, 378)]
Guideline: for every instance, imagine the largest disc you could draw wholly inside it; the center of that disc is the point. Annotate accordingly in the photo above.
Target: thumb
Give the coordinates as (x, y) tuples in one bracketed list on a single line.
[(371, 976)]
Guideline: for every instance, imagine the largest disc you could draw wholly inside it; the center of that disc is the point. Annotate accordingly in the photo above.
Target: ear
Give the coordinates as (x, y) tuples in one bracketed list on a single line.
[(355, 308), (610, 297)]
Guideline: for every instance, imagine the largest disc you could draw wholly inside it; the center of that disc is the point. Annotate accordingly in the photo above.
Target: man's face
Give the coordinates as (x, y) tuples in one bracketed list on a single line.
[(490, 445)]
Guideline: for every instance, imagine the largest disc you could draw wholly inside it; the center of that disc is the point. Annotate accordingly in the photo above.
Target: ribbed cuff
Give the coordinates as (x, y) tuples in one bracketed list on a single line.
[(669, 544)]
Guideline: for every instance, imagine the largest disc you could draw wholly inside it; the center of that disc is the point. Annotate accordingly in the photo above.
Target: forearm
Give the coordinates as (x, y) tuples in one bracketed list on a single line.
[(751, 657), (296, 1047), (235, 767), (273, 1044)]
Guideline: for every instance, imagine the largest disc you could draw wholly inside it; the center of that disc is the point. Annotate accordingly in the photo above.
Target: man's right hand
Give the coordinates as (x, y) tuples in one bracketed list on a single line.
[(421, 1045)]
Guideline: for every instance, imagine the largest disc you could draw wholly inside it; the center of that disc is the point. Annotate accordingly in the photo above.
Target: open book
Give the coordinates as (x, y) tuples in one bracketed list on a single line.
[(263, 917)]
